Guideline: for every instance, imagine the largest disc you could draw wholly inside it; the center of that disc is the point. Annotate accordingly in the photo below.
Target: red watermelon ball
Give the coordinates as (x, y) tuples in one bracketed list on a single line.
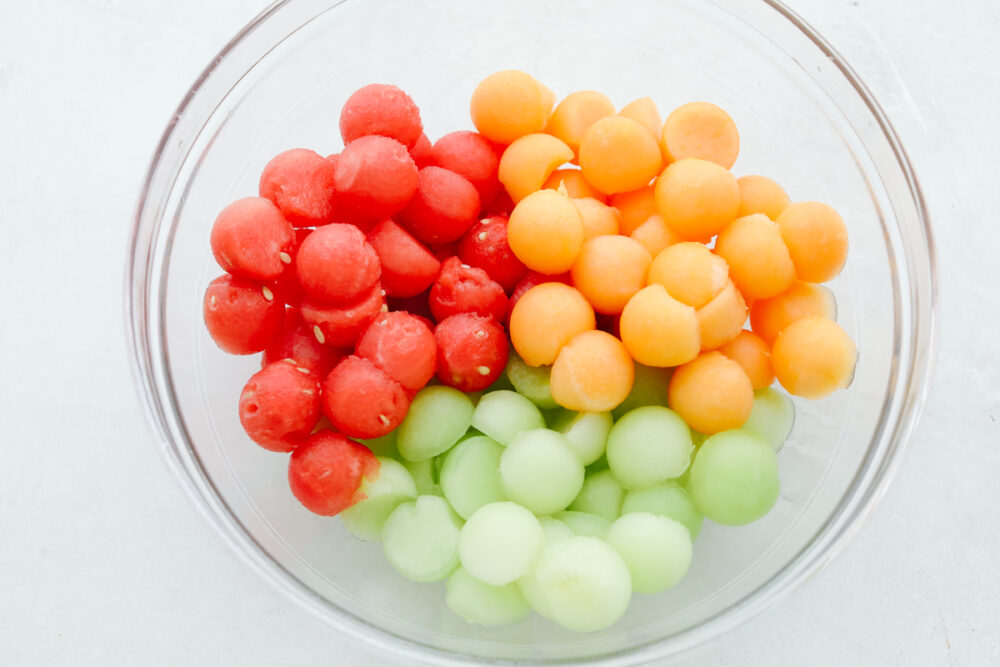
[(242, 317), (421, 152), (252, 240), (375, 178), (408, 266), (485, 246), (401, 345), (300, 182), (279, 405), (443, 207), (381, 109), (325, 472), (341, 325), (298, 343), (460, 288), (471, 156), (361, 400), (336, 265), (472, 351)]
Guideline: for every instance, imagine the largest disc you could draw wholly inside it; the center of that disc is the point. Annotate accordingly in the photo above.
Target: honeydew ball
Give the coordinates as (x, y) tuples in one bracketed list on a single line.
[(470, 476), (532, 382), (772, 417), (656, 549), (484, 604), (539, 470), (649, 445), (394, 485), (669, 499), (582, 523), (420, 539), (499, 543), (586, 433), (649, 387), (503, 414), (437, 418), (734, 478), (601, 494)]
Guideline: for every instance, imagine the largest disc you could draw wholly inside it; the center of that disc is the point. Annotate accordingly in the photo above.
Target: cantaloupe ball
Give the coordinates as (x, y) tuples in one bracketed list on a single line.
[(655, 235), (759, 194), (711, 393), (609, 270), (573, 116), (816, 238), (593, 373), (529, 161), (758, 259), (753, 354), (545, 232), (598, 219), (691, 273), (768, 317), (548, 97), (510, 104), (545, 318), (697, 198), (634, 208), (644, 112), (722, 318), (658, 330), (618, 155), (700, 130), (571, 183), (813, 357)]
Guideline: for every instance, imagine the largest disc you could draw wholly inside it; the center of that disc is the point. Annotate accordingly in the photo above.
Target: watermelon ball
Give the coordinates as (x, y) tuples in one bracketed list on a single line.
[(461, 288), (408, 266), (251, 239), (414, 305), (298, 343), (421, 152), (336, 265), (361, 400), (443, 207), (340, 326), (502, 204), (300, 183), (445, 250), (402, 346), (242, 317), (325, 472), (485, 246), (287, 287), (279, 405), (471, 156), (471, 351), (375, 178), (379, 108), (532, 279)]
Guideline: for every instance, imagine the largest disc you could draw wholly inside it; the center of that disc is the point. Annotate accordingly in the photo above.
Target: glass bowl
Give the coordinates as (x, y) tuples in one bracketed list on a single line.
[(804, 119)]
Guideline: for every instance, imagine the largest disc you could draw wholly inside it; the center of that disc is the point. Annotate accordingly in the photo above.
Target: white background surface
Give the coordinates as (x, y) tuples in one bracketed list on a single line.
[(103, 560)]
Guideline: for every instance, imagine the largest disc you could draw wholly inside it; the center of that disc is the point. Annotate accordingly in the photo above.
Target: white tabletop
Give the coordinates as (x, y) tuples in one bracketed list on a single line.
[(104, 560)]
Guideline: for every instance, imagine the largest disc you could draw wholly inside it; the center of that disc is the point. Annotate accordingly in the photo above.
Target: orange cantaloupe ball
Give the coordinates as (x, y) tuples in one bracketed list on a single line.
[(692, 273), (753, 354), (700, 130), (758, 259), (609, 270), (658, 330), (634, 208), (545, 318), (618, 155), (711, 393), (697, 198), (528, 162), (593, 373), (655, 235), (548, 98), (816, 237), (721, 319), (644, 112), (545, 232), (509, 104), (759, 194), (598, 219), (813, 357), (571, 183), (574, 115), (768, 317)]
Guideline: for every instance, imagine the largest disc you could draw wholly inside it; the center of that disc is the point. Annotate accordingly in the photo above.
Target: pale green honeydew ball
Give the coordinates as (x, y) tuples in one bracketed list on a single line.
[(383, 494), (601, 494), (584, 524), (437, 418), (586, 432), (420, 539), (669, 499), (503, 414), (656, 549), (772, 417), (470, 477), (499, 543), (425, 477), (540, 471), (554, 532), (382, 446), (649, 445), (532, 382), (648, 388), (484, 604), (585, 584), (734, 478)]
